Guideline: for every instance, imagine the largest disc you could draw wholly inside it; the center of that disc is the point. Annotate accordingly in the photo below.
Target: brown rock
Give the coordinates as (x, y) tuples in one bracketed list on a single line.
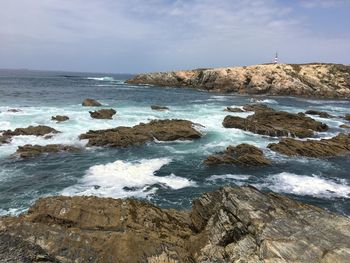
[(276, 123), (159, 108), (29, 150), (60, 118), (4, 139), (39, 130), (231, 109), (14, 110), (344, 126), (347, 117), (322, 114), (337, 145), (257, 107), (161, 130), (103, 114), (91, 103)]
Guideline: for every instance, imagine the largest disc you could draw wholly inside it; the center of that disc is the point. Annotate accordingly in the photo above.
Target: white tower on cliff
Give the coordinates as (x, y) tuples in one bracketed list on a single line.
[(276, 58)]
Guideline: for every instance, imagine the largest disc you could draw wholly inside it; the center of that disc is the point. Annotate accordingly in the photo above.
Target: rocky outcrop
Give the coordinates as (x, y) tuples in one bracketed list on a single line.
[(228, 225), (59, 118), (161, 130), (242, 154), (316, 80), (276, 123), (91, 103), (103, 114), (30, 150), (39, 130), (337, 145), (322, 114), (159, 108)]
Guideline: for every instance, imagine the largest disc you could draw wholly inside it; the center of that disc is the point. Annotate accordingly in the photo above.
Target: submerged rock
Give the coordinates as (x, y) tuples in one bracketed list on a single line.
[(231, 109), (14, 110), (30, 150), (103, 114), (161, 130), (276, 123), (91, 103), (242, 154), (337, 145), (39, 130), (322, 114), (232, 224), (159, 108), (60, 118)]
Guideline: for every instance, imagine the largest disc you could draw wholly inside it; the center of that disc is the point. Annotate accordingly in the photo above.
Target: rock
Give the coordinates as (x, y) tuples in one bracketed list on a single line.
[(30, 150), (344, 126), (232, 224), (60, 118), (159, 108), (91, 103), (347, 117), (242, 154), (257, 107), (4, 139), (161, 130), (322, 114), (309, 80), (231, 109), (337, 145), (102, 114), (276, 123), (14, 110), (39, 130)]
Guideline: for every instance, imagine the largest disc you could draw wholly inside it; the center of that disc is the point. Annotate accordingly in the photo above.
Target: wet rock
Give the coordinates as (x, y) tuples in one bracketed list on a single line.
[(14, 110), (322, 114), (232, 224), (344, 126), (30, 150), (91, 103), (347, 117), (161, 130), (276, 123), (60, 118), (242, 154), (4, 139), (257, 107), (159, 108), (39, 130), (103, 114), (231, 109), (337, 145)]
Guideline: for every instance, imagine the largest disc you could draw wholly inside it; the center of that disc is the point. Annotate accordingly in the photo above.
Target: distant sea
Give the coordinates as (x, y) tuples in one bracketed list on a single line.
[(168, 174)]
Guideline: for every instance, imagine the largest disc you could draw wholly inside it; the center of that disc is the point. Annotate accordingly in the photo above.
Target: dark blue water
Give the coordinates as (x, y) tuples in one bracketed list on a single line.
[(168, 174)]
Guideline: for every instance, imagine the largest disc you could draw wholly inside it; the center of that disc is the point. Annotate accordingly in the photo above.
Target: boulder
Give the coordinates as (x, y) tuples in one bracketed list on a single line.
[(276, 123), (231, 109), (103, 114), (91, 103), (344, 126), (232, 224), (159, 108), (337, 145), (161, 130), (242, 154), (4, 139), (14, 110), (257, 107), (30, 150), (39, 130), (60, 118), (347, 117), (322, 114)]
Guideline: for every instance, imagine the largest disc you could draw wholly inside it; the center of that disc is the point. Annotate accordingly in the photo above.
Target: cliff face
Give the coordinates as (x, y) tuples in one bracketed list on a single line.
[(228, 225), (316, 80)]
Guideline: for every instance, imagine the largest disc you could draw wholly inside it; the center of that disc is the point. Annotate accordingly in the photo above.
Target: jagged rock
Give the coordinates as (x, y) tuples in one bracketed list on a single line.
[(257, 107), (232, 224), (30, 150), (347, 117), (322, 114), (159, 108), (344, 126), (60, 118), (231, 109), (39, 130), (337, 145), (14, 110), (276, 123), (102, 114), (242, 154), (316, 80), (4, 139), (161, 130), (91, 103)]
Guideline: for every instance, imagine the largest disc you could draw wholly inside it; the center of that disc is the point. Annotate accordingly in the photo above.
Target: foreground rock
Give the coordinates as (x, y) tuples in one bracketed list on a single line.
[(276, 123), (159, 108), (316, 80), (103, 114), (30, 150), (60, 118), (39, 130), (4, 139), (322, 114), (337, 145), (91, 103), (242, 154), (228, 225), (161, 130)]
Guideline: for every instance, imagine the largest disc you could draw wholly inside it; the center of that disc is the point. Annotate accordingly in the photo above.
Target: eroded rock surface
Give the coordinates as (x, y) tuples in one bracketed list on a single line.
[(228, 225), (60, 118), (161, 130), (103, 114), (30, 150), (276, 123), (159, 108), (337, 145), (242, 154), (39, 130), (91, 103)]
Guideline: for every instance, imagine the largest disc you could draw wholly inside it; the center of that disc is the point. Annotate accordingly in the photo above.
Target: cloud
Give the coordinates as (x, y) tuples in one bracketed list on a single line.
[(322, 3)]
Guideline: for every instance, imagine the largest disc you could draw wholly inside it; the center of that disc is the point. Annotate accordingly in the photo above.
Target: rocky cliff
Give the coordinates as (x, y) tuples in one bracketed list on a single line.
[(316, 80), (228, 225)]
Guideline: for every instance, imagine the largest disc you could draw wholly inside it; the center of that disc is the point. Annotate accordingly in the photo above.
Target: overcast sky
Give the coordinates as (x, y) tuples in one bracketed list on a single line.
[(158, 35)]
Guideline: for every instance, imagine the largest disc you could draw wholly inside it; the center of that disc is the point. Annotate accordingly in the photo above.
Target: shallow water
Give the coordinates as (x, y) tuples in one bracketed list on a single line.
[(169, 174)]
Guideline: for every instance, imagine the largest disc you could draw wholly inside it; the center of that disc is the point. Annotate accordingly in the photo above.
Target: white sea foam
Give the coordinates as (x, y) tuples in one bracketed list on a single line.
[(229, 177), (101, 78), (122, 179), (266, 101)]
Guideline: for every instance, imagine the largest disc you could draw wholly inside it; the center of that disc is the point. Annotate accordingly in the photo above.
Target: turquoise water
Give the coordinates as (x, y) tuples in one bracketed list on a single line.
[(168, 174)]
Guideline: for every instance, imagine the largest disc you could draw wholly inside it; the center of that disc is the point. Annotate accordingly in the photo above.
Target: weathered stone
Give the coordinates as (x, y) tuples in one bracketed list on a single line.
[(4, 139), (103, 114), (344, 126), (257, 107), (231, 109), (347, 117), (60, 118), (91, 103), (159, 108), (161, 130), (337, 145), (30, 150), (322, 114), (39, 130)]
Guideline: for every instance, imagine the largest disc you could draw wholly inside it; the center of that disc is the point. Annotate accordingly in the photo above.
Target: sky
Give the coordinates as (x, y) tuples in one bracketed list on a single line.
[(132, 36)]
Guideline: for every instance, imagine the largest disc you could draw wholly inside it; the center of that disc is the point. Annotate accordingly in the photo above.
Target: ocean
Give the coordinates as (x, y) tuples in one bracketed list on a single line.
[(168, 174)]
